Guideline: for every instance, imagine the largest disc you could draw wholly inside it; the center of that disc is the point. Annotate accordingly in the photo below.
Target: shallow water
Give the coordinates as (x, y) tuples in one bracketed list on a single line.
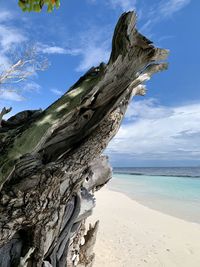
[(175, 195)]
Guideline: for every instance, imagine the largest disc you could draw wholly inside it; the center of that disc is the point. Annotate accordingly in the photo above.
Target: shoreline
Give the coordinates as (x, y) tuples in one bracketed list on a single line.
[(182, 204), (156, 208), (132, 234)]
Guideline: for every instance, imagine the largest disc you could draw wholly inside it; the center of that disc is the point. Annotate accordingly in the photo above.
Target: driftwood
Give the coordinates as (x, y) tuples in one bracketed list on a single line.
[(51, 162)]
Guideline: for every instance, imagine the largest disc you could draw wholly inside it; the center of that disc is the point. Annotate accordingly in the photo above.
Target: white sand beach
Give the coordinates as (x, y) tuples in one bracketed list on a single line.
[(132, 235)]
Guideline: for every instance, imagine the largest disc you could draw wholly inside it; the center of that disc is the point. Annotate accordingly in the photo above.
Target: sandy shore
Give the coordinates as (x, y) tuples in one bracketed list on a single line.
[(132, 235)]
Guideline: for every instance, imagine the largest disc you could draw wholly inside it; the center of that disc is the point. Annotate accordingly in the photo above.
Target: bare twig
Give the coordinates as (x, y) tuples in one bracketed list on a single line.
[(27, 64)]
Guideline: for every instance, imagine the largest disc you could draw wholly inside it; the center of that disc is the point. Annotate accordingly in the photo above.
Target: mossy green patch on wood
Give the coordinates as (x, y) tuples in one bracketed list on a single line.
[(29, 139)]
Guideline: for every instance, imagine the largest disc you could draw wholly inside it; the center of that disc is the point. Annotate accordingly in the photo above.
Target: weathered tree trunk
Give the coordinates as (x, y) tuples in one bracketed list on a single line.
[(51, 163)]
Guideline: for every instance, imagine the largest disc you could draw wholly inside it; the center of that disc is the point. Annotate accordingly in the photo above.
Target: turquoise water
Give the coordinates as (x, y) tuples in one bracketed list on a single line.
[(177, 196)]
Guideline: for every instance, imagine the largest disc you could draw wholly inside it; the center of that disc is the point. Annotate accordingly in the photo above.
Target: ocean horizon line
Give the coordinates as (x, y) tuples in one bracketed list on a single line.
[(164, 175), (122, 167)]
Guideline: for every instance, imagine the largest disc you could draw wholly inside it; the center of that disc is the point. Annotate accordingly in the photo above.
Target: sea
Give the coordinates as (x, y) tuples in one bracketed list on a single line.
[(171, 190)]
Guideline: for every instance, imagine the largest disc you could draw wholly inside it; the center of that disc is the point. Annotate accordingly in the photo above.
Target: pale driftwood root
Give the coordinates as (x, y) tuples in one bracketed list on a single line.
[(3, 112), (51, 161)]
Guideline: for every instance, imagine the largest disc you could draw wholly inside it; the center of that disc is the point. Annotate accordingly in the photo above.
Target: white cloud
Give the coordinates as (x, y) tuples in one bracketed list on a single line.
[(168, 8), (148, 109), (92, 55), (10, 37), (56, 92), (11, 95), (92, 46), (31, 87), (53, 49), (4, 61), (159, 132), (95, 50), (91, 51), (125, 5), (5, 15), (160, 11)]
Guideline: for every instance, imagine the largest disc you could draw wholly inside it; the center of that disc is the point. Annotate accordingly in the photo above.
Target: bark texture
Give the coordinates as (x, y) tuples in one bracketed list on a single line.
[(51, 161)]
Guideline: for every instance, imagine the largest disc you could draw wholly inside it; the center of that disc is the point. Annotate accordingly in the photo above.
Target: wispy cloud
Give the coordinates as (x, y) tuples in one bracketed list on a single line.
[(161, 11), (168, 8), (95, 50), (53, 49), (92, 56), (11, 96), (31, 86), (17, 93), (9, 35), (56, 92), (5, 15), (12, 43), (91, 51), (158, 132), (147, 109), (125, 5)]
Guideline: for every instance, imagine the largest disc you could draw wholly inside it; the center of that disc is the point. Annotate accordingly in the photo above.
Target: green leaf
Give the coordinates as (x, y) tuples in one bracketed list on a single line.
[(37, 8), (21, 4), (57, 4)]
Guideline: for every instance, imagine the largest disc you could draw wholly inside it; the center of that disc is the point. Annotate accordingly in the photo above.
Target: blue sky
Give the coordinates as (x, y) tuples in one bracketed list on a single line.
[(160, 129)]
